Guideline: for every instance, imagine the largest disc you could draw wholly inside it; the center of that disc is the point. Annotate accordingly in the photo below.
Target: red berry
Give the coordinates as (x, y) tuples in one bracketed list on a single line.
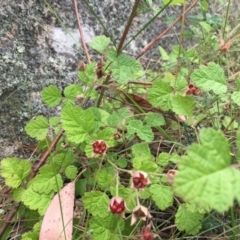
[(99, 147), (140, 180), (117, 205)]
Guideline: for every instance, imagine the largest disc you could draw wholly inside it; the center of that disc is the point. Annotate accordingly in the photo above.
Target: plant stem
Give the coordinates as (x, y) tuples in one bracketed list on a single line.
[(146, 48), (81, 31), (129, 23)]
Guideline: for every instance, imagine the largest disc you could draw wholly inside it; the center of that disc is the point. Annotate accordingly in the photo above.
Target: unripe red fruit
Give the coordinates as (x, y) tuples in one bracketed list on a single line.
[(99, 147)]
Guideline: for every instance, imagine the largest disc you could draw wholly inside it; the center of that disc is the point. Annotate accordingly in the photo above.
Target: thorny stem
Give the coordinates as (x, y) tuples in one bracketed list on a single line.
[(81, 31), (129, 23), (148, 46)]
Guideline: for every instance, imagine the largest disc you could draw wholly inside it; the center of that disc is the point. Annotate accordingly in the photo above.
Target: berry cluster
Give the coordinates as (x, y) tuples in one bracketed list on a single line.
[(99, 147)]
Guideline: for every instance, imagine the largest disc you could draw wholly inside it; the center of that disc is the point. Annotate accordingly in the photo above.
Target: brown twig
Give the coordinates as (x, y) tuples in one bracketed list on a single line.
[(129, 23), (81, 31), (34, 171), (148, 46)]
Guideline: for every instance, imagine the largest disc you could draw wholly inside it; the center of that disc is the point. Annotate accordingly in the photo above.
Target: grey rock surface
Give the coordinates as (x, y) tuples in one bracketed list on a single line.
[(36, 51)]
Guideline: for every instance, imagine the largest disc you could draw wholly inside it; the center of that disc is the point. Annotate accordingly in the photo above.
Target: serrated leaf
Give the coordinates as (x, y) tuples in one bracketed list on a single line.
[(106, 228), (58, 219), (17, 194), (163, 159), (148, 166), (210, 77), (154, 119), (141, 151), (162, 195), (72, 91), (188, 221), (183, 105), (53, 121), (37, 128), (105, 179), (88, 75), (71, 172), (117, 118), (81, 186), (236, 98), (77, 123), (36, 201), (51, 95), (99, 43), (205, 177), (67, 103), (15, 171), (144, 132), (163, 53), (63, 159), (47, 183), (96, 203), (160, 95), (123, 67)]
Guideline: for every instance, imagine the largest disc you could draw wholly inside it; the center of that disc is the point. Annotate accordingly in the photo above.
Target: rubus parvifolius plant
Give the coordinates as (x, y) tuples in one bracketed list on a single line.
[(131, 151)]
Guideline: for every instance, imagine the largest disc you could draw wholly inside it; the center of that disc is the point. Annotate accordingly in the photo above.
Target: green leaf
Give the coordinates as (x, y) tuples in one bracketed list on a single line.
[(37, 128), (160, 95), (118, 117), (210, 77), (15, 171), (96, 203), (236, 98), (72, 91), (123, 67), (173, 2), (106, 228), (163, 159), (71, 172), (99, 43), (87, 77), (51, 95), (54, 121), (77, 123), (162, 195), (81, 187), (206, 26), (36, 201), (148, 166), (188, 221), (17, 194), (163, 54), (63, 159), (47, 182), (142, 151), (144, 132), (183, 105), (105, 179), (154, 119), (205, 177)]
